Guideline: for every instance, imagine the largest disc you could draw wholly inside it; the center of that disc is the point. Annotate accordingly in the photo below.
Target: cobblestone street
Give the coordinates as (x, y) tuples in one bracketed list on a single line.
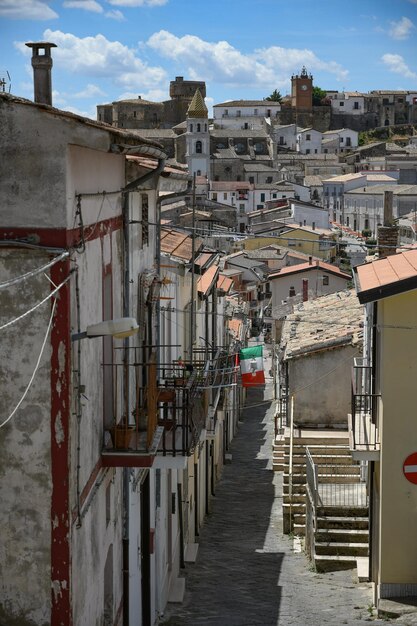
[(247, 572)]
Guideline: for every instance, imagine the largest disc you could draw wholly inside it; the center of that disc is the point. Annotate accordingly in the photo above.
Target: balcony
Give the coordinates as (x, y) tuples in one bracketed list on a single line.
[(168, 408), (363, 429)]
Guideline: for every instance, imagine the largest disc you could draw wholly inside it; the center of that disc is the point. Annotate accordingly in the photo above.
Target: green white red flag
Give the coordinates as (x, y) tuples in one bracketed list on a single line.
[(252, 366)]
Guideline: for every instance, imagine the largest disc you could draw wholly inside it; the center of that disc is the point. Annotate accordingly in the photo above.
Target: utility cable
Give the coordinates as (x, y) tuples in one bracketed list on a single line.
[(17, 319), (34, 371), (18, 279)]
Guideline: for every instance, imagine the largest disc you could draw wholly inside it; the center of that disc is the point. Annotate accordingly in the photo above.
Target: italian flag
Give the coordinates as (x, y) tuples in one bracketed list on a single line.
[(252, 366)]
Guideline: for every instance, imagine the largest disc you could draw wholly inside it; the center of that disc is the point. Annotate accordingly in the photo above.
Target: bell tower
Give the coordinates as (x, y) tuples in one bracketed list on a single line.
[(198, 137), (302, 90)]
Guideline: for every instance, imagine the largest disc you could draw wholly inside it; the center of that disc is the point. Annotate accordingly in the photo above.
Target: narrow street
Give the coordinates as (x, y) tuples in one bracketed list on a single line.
[(247, 572)]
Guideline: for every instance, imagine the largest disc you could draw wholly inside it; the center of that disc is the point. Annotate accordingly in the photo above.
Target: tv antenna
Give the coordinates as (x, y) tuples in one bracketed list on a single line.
[(4, 82)]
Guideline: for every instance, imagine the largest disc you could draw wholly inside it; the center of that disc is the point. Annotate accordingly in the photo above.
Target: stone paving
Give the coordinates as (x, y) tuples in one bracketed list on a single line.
[(247, 572)]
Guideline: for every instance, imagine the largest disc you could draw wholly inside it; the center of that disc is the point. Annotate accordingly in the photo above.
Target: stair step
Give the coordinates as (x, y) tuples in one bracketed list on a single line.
[(336, 535), (297, 507), (323, 459), (335, 523), (314, 441), (342, 511), (296, 497), (299, 530), (340, 548), (326, 478), (333, 563)]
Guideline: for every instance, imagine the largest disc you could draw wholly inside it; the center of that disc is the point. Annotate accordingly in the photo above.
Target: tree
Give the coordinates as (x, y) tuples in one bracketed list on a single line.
[(275, 96), (318, 96)]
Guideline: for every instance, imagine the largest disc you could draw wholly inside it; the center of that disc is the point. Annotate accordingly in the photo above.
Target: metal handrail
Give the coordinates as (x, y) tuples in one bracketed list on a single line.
[(364, 406), (312, 483)]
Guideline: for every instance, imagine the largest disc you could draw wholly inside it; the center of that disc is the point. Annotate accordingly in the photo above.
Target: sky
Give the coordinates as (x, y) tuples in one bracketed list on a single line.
[(109, 50)]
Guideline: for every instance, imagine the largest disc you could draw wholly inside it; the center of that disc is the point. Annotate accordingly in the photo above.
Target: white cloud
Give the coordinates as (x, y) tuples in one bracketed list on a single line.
[(137, 3), (97, 56), (26, 10), (89, 92), (223, 63), (401, 29), (395, 63), (86, 5), (115, 14)]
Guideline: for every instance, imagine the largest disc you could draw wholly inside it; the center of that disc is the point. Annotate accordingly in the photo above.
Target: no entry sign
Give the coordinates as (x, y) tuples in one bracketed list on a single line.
[(410, 468)]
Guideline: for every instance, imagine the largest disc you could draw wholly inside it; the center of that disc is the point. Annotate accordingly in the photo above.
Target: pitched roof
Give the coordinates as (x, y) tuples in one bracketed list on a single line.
[(178, 244), (248, 103), (326, 323), (205, 281), (306, 267), (197, 106), (386, 277)]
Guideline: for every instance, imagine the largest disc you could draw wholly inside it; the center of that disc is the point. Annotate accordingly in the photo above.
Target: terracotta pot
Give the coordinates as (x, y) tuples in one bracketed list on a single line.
[(121, 436)]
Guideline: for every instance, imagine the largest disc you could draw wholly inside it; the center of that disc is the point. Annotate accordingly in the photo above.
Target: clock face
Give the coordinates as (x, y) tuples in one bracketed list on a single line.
[(304, 87)]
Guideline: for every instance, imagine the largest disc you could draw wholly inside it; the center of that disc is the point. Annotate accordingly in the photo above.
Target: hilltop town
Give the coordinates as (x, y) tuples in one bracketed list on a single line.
[(187, 297)]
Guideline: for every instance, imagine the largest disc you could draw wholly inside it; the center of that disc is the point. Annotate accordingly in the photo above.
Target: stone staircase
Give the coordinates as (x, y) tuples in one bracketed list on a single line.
[(330, 451), (341, 537)]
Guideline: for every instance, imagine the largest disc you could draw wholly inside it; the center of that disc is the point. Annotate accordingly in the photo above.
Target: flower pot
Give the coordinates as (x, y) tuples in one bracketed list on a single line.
[(121, 436)]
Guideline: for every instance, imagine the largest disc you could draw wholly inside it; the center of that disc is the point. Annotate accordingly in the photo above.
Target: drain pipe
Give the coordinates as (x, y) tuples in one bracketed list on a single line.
[(134, 185)]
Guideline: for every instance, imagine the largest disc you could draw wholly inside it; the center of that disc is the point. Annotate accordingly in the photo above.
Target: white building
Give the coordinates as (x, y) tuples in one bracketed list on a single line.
[(347, 103), (308, 141), (245, 114), (339, 141)]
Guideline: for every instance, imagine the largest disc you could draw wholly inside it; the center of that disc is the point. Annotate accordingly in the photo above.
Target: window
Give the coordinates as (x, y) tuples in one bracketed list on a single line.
[(262, 197), (347, 221), (308, 137), (214, 196), (269, 180), (134, 113), (226, 112), (315, 151), (341, 104), (242, 208), (198, 173), (255, 111), (225, 196), (325, 151), (198, 128), (246, 126), (348, 141), (291, 292), (356, 105), (251, 180), (108, 504), (238, 113), (281, 141), (325, 280), (145, 218), (308, 151), (99, 117), (205, 127), (198, 147), (191, 128), (274, 195)]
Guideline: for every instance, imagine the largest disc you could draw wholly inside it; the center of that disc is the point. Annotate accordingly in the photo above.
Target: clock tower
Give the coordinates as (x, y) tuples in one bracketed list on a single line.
[(302, 90)]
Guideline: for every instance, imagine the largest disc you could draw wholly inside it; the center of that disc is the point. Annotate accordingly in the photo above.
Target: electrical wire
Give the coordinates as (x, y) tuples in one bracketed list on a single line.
[(34, 371), (18, 279), (17, 319)]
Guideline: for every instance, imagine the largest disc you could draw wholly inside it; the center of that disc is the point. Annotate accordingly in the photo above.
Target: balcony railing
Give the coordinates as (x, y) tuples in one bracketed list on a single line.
[(167, 406), (363, 427)]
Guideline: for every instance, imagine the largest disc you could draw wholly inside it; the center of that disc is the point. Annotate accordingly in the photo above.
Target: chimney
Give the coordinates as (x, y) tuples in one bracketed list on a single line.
[(310, 260), (42, 65), (388, 233), (305, 290)]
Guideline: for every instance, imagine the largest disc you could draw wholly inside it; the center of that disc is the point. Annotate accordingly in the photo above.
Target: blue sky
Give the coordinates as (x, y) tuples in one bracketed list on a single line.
[(113, 49)]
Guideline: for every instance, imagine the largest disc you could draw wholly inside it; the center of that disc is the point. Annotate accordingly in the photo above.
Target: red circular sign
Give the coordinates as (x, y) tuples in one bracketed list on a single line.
[(410, 468)]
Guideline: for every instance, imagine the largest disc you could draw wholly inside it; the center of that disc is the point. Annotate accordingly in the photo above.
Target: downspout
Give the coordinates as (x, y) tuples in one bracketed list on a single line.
[(126, 312), (372, 463)]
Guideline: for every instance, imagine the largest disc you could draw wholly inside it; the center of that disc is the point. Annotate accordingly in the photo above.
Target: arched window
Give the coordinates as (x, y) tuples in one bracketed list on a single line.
[(198, 128), (198, 147), (205, 128), (191, 128)]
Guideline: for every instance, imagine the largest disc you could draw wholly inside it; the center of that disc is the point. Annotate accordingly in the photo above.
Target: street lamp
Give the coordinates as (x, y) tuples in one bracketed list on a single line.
[(119, 329)]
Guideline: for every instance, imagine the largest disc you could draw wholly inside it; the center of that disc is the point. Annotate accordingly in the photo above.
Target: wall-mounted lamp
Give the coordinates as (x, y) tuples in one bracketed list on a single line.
[(118, 328)]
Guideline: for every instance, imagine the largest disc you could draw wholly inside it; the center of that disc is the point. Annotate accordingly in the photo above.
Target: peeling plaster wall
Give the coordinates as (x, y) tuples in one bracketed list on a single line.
[(33, 182), (25, 464), (326, 402), (90, 541)]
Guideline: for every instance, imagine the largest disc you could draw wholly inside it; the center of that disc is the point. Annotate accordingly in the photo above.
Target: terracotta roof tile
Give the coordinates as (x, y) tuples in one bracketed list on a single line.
[(206, 280), (388, 276)]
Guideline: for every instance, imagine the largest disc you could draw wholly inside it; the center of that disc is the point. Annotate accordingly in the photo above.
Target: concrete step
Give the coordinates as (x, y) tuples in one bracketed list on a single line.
[(296, 497), (327, 548), (322, 459), (299, 520), (341, 523), (338, 479), (333, 563), (314, 441), (296, 507), (299, 530), (338, 535), (342, 511)]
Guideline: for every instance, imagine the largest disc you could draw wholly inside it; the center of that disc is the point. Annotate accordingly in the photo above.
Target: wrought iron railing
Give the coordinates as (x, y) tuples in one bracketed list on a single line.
[(364, 407)]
